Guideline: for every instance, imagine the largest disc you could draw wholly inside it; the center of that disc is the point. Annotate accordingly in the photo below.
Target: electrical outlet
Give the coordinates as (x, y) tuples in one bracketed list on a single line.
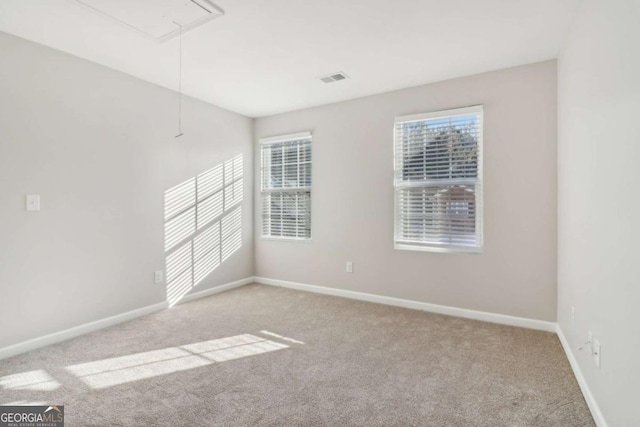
[(158, 276), (349, 267), (573, 317), (596, 351)]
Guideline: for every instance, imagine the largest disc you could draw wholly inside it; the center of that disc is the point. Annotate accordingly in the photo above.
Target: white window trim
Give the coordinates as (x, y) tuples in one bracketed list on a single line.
[(287, 239), (450, 249), (283, 138), (274, 140)]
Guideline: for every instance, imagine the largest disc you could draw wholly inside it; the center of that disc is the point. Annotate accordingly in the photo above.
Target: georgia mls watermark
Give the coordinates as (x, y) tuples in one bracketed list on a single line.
[(31, 416)]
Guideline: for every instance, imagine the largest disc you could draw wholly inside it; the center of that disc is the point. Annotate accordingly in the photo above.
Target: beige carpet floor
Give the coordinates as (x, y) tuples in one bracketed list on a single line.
[(261, 355)]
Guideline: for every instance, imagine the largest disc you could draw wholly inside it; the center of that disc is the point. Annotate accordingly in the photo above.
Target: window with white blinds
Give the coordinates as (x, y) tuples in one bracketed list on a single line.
[(286, 186), (438, 181)]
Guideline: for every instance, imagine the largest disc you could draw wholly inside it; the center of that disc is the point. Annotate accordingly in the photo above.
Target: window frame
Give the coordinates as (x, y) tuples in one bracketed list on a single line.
[(479, 195), (263, 191)]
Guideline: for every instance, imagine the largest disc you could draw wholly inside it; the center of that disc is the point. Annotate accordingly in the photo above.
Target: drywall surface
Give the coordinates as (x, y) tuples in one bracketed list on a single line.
[(598, 200), (352, 205), (98, 147)]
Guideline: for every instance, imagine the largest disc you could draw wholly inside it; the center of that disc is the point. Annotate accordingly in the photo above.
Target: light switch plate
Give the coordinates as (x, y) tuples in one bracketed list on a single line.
[(33, 202)]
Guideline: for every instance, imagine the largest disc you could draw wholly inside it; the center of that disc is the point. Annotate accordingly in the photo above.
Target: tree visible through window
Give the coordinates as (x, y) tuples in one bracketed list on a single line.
[(438, 180)]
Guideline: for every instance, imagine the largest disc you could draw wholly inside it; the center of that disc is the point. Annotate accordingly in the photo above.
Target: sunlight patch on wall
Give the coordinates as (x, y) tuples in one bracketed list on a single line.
[(203, 225)]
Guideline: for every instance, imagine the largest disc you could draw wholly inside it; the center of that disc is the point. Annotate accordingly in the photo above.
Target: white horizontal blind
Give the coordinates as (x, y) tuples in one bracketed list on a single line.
[(438, 180), (286, 186)]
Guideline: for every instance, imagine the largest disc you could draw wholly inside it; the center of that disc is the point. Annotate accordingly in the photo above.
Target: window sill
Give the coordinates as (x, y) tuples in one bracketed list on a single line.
[(287, 239), (439, 249)]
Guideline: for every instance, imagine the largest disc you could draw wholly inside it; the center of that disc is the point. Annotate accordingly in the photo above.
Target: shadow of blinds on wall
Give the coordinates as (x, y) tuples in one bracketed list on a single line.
[(203, 225)]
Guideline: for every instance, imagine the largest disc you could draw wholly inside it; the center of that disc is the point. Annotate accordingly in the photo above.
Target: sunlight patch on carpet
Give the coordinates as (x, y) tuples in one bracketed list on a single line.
[(120, 370)]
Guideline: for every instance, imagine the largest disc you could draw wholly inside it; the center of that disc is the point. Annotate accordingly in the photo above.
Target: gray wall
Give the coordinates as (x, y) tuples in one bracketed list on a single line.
[(98, 146), (599, 200), (352, 211)]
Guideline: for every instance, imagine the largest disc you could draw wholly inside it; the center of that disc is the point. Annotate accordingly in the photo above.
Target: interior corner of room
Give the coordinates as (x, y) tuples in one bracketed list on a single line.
[(254, 209)]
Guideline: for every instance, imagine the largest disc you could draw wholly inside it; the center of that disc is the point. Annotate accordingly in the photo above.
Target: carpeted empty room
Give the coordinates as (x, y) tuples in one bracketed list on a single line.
[(319, 213), (260, 355)]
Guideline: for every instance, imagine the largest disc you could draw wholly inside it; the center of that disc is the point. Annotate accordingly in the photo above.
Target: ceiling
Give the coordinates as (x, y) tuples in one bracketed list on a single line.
[(265, 56)]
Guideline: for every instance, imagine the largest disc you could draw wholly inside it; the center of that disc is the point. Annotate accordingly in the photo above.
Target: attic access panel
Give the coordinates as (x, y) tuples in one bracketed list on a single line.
[(157, 18)]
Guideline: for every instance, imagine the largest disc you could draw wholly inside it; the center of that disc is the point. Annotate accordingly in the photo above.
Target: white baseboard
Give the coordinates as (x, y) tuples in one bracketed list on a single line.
[(416, 305), (584, 387), (57, 337), (216, 290)]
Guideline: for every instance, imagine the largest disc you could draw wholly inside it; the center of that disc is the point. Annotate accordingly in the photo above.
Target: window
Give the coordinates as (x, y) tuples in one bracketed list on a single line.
[(286, 186), (438, 181)]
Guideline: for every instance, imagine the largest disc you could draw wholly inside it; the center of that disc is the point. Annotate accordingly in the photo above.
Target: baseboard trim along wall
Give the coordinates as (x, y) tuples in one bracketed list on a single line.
[(584, 387), (416, 305), (216, 290), (66, 334), (76, 331), (541, 325), (459, 312)]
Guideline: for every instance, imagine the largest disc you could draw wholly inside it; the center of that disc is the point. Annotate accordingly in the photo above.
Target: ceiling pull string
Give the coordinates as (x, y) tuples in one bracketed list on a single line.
[(179, 87)]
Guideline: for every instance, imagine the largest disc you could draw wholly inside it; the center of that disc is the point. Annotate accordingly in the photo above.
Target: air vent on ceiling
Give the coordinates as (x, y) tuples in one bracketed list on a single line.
[(336, 77), (158, 19)]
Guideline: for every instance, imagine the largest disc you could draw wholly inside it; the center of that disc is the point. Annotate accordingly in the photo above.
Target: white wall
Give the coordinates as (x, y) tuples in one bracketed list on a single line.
[(599, 200), (99, 147), (352, 212)]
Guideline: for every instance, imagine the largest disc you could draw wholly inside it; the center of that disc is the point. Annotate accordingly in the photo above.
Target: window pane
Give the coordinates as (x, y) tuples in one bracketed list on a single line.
[(437, 214), (439, 148), (287, 214)]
